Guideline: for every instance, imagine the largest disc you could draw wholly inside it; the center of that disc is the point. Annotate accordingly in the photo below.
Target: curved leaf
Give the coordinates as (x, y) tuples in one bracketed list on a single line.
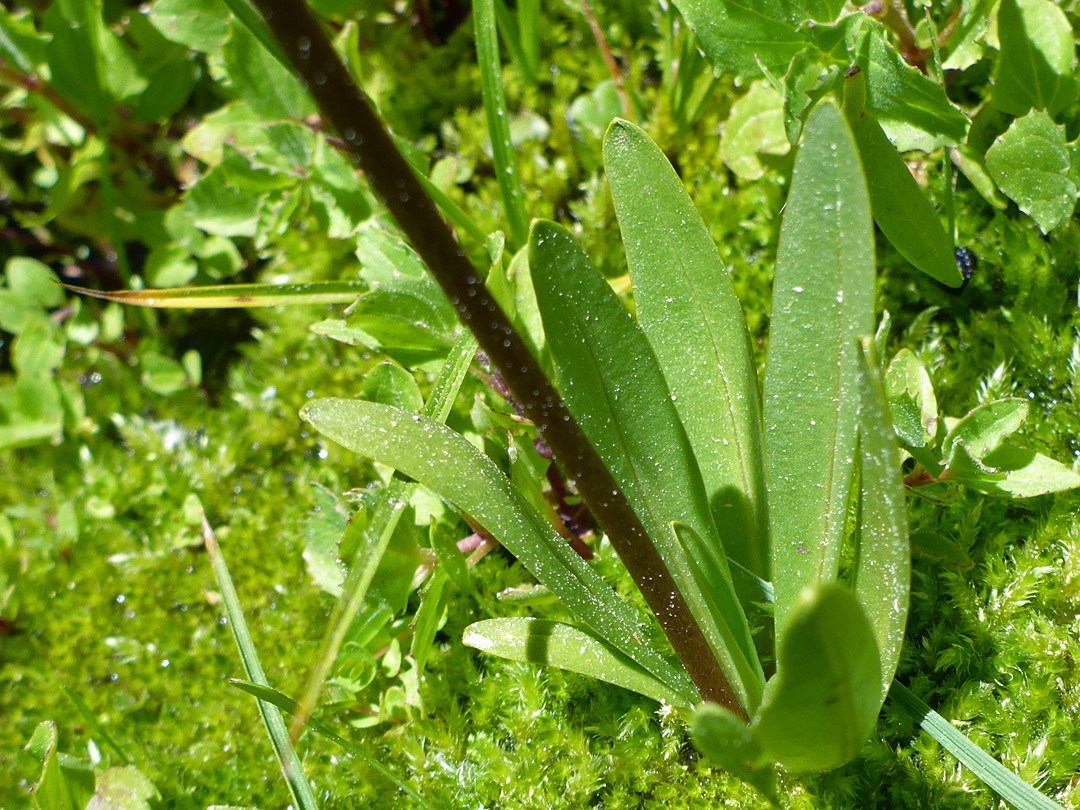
[(822, 305), (233, 296), (900, 207), (537, 641), (688, 309), (823, 702), (882, 576), (613, 386), (446, 462), (982, 430)]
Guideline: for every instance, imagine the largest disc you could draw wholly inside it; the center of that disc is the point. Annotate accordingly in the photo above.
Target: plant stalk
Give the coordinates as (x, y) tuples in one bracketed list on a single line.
[(344, 106)]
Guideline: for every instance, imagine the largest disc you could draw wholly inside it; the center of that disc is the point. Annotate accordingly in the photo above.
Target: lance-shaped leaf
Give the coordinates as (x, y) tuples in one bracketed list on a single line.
[(900, 207), (882, 575), (690, 314), (233, 296), (1023, 474), (546, 643), (823, 702), (613, 386), (822, 305), (446, 462)]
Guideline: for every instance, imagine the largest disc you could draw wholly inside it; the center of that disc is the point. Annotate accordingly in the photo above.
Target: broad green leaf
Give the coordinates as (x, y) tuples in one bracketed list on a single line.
[(822, 304), (594, 111), (202, 25), (754, 127), (536, 641), (912, 109), (263, 82), (900, 207), (390, 384), (30, 411), (735, 32), (1037, 65), (1023, 474), (1031, 164), (691, 316), (88, 63), (810, 77), (730, 743), (51, 791), (912, 402), (123, 788), (882, 571), (613, 385), (965, 46), (39, 348), (824, 700), (448, 463), (33, 282), (983, 429), (234, 296)]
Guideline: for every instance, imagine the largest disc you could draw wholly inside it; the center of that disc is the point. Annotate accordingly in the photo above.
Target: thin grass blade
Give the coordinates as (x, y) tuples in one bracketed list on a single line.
[(823, 302), (233, 296), (487, 52), (275, 723), (290, 706)]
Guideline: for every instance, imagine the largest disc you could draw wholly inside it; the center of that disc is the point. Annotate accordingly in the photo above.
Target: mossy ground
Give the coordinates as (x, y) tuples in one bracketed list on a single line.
[(121, 611)]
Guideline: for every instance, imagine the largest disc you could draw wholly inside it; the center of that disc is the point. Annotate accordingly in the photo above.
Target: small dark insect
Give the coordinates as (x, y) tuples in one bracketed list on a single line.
[(967, 262)]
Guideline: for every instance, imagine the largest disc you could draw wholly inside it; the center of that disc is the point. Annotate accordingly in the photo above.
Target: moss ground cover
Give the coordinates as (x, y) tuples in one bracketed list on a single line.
[(113, 599)]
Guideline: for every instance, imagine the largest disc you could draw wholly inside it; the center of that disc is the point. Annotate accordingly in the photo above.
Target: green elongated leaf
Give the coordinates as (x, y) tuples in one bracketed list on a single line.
[(1031, 164), (983, 429), (287, 758), (370, 538), (202, 25), (261, 79), (882, 575), (1037, 65), (822, 305), (736, 33), (731, 744), (755, 127), (233, 296), (912, 402), (996, 776), (970, 163), (612, 384), (912, 109), (290, 706), (965, 45), (1023, 474), (900, 207), (446, 462), (498, 121), (823, 702), (938, 547), (691, 316), (537, 641)]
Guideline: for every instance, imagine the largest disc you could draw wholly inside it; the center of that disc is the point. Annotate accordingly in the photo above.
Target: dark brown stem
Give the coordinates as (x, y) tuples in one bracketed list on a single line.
[(609, 59), (345, 107)]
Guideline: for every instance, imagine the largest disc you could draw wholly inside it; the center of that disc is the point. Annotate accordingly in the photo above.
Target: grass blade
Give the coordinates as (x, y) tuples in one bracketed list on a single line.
[(614, 387), (996, 776), (446, 462), (372, 543), (688, 309), (487, 52), (823, 302), (233, 296), (275, 723), (290, 706), (552, 644)]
